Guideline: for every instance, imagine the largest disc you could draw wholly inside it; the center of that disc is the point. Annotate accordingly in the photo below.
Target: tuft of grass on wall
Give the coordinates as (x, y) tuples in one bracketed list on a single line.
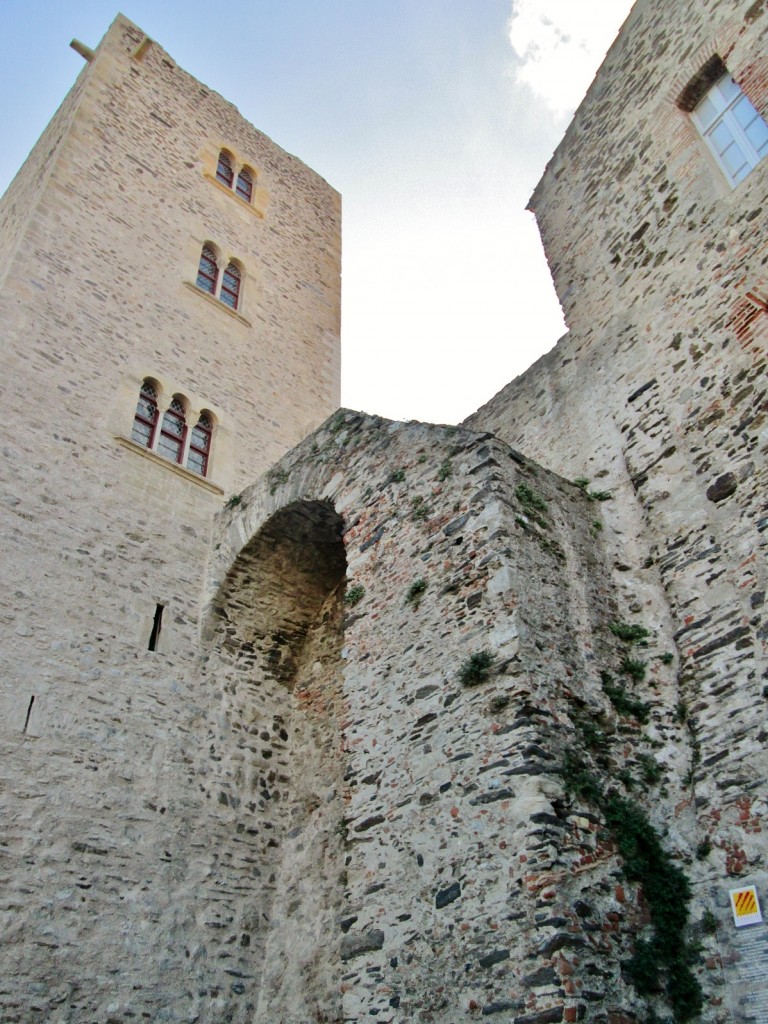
[(415, 592), (476, 668), (354, 595), (630, 633), (634, 669), (624, 704)]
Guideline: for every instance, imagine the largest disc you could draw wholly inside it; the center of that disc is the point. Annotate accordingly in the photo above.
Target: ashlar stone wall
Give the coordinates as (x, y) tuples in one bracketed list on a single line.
[(115, 873)]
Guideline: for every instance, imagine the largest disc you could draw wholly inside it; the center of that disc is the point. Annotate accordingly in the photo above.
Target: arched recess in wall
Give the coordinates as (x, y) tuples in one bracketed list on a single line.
[(274, 636)]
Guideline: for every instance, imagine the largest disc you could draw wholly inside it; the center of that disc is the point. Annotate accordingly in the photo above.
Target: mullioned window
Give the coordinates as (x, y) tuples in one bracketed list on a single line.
[(169, 435)]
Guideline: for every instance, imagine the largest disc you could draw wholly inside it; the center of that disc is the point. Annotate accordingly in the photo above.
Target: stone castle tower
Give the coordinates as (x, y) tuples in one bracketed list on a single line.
[(153, 240), (412, 728)]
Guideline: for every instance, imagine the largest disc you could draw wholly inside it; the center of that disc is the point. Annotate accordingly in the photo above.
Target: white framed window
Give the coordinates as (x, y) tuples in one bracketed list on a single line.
[(734, 132)]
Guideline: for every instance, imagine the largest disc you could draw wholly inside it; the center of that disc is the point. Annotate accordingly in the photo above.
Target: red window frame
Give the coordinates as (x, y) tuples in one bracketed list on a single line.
[(244, 186), (230, 286), (224, 172), (146, 414), (173, 432), (207, 271), (200, 446)]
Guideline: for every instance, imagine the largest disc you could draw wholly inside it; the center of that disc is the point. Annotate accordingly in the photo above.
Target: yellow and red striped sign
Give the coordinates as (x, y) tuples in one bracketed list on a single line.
[(745, 906)]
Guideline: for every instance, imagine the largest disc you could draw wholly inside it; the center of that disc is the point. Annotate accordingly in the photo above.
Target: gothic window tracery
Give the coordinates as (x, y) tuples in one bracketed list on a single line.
[(173, 431), (230, 286), (224, 171), (145, 417), (168, 433), (244, 186), (226, 285), (235, 176), (207, 271), (200, 445)]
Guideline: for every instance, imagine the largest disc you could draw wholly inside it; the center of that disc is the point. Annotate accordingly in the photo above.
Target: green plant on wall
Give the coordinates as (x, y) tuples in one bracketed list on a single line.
[(651, 771), (529, 498), (663, 963), (354, 595), (476, 668), (630, 633), (415, 592), (624, 703), (276, 477), (532, 504), (634, 668), (419, 508), (445, 471)]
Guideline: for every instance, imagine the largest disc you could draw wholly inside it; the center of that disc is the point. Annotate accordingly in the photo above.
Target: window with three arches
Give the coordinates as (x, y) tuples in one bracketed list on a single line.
[(169, 435)]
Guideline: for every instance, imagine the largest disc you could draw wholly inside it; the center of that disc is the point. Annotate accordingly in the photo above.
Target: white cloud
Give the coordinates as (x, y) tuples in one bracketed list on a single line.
[(560, 45)]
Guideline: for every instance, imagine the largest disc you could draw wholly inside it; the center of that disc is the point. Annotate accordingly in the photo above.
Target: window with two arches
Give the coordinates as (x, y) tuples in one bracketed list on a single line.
[(223, 285), (169, 435), (242, 185)]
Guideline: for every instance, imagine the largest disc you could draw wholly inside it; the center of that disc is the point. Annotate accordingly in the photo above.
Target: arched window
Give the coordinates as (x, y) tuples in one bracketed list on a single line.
[(230, 286), (244, 187), (200, 445), (173, 430), (145, 418), (224, 172), (207, 271)]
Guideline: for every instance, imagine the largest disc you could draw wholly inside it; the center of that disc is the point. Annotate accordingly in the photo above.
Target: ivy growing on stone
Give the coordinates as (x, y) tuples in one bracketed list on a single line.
[(419, 509), (276, 478), (663, 963)]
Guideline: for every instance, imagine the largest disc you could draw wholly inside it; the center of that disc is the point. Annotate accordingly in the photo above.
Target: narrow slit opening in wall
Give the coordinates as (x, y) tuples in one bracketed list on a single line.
[(29, 712), (157, 625)]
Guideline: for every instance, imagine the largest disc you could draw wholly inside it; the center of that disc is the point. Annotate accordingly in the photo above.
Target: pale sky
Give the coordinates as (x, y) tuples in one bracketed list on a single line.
[(433, 118)]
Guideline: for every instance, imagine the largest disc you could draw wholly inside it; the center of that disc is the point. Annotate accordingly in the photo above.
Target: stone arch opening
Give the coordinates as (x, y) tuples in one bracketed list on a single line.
[(274, 591), (274, 642)]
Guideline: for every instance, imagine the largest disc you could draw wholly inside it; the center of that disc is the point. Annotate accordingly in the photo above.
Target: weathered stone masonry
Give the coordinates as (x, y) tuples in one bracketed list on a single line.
[(428, 855), (413, 691), (658, 392)]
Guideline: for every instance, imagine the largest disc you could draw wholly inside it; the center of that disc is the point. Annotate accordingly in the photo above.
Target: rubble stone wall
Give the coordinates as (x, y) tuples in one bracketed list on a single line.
[(657, 395)]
